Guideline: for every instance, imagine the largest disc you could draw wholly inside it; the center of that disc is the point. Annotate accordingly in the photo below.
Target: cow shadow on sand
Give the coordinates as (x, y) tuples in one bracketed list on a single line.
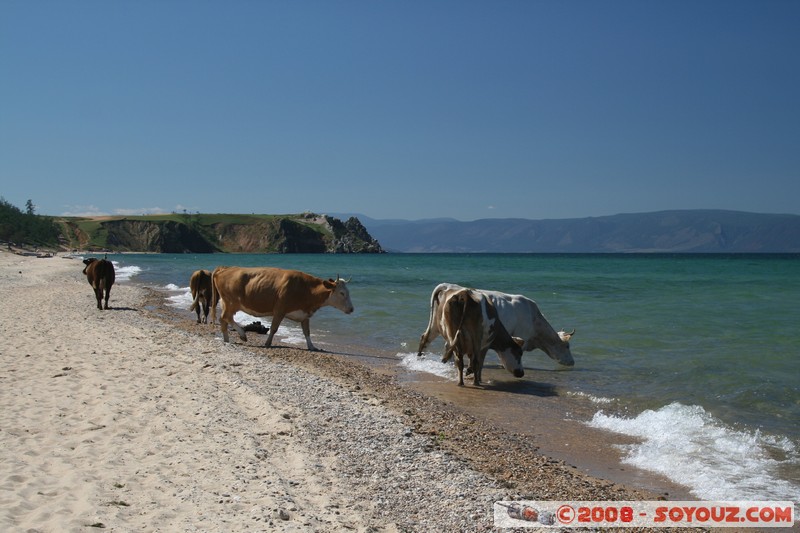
[(523, 386)]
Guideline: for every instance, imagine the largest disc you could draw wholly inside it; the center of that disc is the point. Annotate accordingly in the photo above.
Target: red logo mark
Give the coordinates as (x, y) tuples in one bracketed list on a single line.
[(565, 514)]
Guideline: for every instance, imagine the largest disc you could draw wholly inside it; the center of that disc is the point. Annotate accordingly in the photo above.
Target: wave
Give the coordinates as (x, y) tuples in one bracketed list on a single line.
[(693, 448), (429, 363)]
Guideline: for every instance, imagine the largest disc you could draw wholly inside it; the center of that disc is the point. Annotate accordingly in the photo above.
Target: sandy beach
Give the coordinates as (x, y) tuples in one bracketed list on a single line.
[(131, 420)]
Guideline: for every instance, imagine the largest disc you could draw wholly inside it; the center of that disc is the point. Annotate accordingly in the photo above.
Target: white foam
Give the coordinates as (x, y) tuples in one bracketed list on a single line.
[(691, 447), (289, 332), (181, 297), (430, 363), (123, 273), (591, 398)]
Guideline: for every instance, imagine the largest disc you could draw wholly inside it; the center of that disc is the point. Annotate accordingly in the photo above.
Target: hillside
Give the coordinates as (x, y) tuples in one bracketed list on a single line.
[(199, 233), (689, 231)]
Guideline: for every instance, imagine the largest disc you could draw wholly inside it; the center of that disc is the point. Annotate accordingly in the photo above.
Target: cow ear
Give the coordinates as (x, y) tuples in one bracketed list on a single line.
[(519, 341)]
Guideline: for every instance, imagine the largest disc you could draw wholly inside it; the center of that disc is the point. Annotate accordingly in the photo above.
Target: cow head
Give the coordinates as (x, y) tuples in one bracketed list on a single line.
[(340, 295), (558, 348), (511, 357), (88, 262)]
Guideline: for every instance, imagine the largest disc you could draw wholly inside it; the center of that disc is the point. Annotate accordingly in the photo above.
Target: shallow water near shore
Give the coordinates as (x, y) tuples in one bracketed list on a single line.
[(693, 358)]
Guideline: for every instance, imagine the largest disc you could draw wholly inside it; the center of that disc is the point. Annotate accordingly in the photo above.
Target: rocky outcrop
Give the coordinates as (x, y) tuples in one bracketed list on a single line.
[(163, 237), (352, 237)]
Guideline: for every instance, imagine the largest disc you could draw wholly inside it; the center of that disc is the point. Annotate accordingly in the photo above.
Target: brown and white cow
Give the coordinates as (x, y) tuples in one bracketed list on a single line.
[(200, 285), (470, 326), (263, 291), (100, 274), (522, 318)]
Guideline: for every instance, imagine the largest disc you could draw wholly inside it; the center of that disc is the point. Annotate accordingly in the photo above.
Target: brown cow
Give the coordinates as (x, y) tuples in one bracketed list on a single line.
[(262, 291), (471, 327), (493, 333), (200, 285), (100, 274)]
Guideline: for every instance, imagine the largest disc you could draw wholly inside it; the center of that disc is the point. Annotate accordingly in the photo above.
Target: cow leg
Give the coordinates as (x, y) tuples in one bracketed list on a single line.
[(197, 307), (460, 365), (307, 332), (240, 330), (477, 367), (223, 326), (98, 295), (108, 294), (277, 318), (205, 312), (227, 318)]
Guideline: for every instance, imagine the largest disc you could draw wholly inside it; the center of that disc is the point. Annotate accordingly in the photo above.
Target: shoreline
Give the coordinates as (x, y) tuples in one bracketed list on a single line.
[(556, 429), (134, 419)]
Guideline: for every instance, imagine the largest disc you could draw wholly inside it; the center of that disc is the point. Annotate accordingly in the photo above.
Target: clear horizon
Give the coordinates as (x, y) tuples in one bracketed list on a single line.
[(413, 110)]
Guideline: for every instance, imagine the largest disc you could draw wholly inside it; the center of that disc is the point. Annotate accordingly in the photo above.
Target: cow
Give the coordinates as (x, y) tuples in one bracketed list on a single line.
[(520, 316), (100, 274), (200, 285), (265, 291), (470, 325)]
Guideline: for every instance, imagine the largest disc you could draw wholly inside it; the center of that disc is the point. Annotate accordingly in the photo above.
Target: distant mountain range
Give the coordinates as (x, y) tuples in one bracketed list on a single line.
[(689, 231)]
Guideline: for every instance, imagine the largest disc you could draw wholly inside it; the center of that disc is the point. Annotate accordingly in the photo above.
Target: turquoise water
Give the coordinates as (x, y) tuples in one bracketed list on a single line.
[(697, 355)]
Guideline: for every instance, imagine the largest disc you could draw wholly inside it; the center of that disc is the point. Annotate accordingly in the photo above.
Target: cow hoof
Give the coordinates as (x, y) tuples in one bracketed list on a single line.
[(519, 373)]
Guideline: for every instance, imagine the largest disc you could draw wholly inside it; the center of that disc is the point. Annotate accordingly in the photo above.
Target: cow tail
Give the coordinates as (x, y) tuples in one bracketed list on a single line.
[(463, 313), (472, 356), (458, 335), (452, 348), (214, 296), (195, 302)]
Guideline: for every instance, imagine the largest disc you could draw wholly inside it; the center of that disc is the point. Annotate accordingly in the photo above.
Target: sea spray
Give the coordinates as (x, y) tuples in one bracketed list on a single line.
[(691, 447), (428, 363)]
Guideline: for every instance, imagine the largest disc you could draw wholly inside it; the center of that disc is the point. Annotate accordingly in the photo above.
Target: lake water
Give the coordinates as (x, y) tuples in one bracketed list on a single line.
[(697, 356)]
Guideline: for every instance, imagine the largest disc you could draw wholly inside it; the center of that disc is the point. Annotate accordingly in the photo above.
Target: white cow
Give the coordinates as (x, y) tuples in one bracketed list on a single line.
[(521, 318), (469, 324)]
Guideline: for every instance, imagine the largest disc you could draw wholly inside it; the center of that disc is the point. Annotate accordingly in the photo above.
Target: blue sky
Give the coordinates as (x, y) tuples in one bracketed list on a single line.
[(400, 109)]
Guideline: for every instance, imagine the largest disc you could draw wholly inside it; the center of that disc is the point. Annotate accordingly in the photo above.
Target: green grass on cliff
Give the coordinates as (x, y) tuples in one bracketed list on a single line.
[(95, 236)]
